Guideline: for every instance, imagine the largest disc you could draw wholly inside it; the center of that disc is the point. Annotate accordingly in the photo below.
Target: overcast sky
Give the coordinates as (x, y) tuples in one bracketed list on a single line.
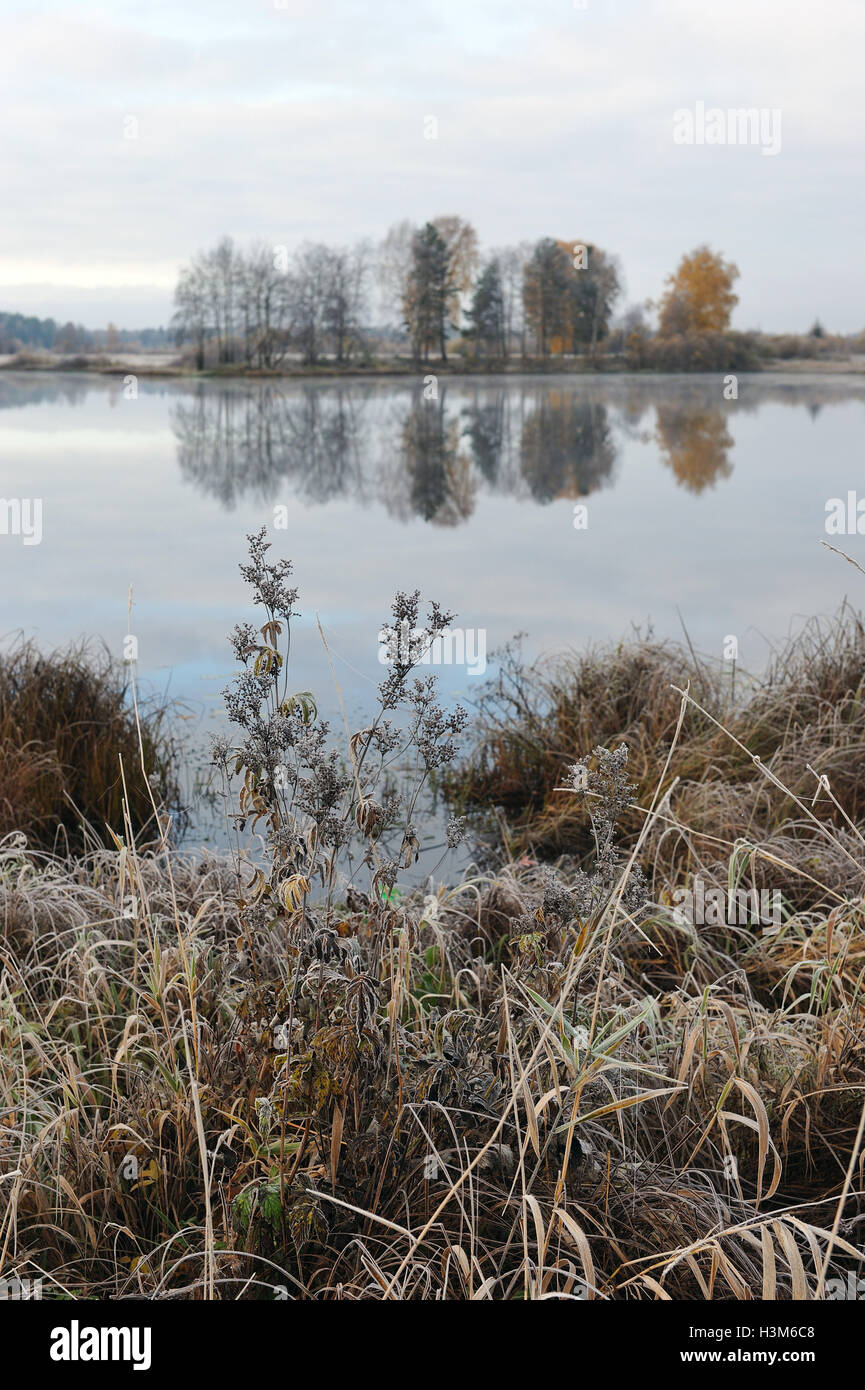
[(307, 120)]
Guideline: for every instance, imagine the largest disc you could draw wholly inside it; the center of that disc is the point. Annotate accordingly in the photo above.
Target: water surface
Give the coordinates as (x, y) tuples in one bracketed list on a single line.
[(699, 510)]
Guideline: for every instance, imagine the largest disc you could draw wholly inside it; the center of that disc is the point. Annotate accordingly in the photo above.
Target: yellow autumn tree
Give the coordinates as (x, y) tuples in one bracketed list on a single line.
[(699, 297)]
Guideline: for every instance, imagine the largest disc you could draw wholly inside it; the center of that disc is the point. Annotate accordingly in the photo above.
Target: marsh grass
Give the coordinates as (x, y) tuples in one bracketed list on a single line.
[(68, 730), (802, 720), (535, 1082)]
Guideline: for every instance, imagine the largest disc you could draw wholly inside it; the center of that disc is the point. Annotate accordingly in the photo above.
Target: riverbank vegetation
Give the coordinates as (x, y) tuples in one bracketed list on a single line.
[(802, 721), (293, 1074), (72, 750)]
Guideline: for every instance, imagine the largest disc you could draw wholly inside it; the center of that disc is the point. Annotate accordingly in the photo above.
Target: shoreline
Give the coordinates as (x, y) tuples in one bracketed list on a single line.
[(794, 367)]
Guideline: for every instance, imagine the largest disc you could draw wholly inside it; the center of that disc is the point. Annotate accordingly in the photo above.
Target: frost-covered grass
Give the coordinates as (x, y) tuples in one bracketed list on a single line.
[(282, 1075)]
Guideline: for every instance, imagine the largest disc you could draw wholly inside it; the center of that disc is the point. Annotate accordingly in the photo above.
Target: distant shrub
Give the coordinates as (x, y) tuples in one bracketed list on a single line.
[(82, 360), (30, 359), (698, 352), (810, 346)]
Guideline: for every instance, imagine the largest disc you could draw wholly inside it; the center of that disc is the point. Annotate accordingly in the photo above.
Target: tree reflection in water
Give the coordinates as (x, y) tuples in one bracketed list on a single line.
[(694, 443), (384, 443), (419, 458)]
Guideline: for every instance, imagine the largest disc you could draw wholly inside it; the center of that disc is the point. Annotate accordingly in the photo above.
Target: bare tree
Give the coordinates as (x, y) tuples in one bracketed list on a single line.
[(264, 305), (192, 301), (512, 263), (347, 272), (308, 289), (394, 260), (222, 269)]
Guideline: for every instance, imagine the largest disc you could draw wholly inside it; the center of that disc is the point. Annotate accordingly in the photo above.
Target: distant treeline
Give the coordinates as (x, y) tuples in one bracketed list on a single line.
[(23, 331), (428, 294), (259, 306)]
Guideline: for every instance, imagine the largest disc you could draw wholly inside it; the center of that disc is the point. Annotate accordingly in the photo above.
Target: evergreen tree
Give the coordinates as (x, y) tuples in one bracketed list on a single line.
[(487, 313)]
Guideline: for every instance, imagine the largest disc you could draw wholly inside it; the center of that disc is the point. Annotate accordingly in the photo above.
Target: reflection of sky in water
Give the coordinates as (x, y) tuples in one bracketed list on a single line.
[(713, 508)]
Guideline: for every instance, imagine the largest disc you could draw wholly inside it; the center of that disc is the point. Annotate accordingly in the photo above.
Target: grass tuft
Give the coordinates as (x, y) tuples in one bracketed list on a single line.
[(68, 737)]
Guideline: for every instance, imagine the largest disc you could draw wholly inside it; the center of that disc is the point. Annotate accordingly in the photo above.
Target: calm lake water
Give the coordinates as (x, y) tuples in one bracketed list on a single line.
[(697, 506)]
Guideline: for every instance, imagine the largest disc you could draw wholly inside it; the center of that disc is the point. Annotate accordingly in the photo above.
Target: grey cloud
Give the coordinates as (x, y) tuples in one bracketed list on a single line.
[(307, 121)]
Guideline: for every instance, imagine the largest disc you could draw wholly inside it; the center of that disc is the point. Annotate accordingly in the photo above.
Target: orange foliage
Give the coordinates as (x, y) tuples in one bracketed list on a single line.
[(699, 297)]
